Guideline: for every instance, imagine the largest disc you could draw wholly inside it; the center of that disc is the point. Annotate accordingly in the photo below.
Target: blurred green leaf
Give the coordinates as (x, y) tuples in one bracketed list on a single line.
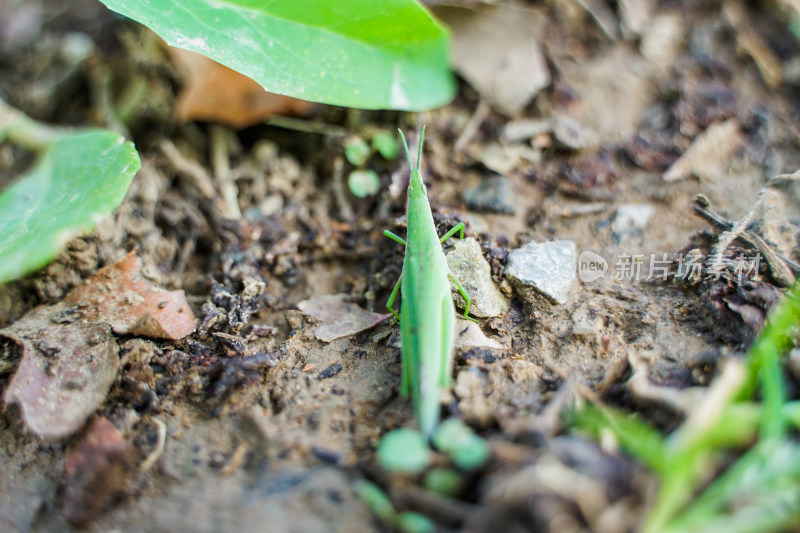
[(471, 454), (376, 500), (466, 449), (404, 450), (411, 522), (636, 436), (356, 151), (77, 179), (385, 143), (363, 183), (445, 481), (451, 434), (357, 53)]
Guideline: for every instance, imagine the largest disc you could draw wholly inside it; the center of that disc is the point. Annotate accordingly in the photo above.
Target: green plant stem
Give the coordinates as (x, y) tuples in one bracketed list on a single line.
[(774, 338), (20, 129)]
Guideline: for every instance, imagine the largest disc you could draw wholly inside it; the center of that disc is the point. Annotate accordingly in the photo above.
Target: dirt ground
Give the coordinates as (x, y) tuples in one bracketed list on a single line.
[(264, 426)]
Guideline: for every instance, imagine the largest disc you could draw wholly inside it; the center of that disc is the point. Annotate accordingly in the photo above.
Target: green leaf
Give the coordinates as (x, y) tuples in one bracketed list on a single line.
[(363, 183), (636, 436), (356, 151), (76, 180), (451, 433), (467, 450), (357, 53), (385, 143), (471, 454), (411, 522), (404, 450), (444, 481), (376, 500)]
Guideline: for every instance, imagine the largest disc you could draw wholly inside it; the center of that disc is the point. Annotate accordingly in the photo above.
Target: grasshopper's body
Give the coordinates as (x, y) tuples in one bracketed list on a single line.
[(427, 317)]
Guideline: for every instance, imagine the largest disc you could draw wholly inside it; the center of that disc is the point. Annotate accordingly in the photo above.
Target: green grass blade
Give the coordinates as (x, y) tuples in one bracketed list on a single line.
[(357, 53), (635, 436), (775, 337), (762, 477)]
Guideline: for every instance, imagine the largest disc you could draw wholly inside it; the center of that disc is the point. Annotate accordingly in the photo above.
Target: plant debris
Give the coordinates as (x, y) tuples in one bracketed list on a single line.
[(338, 317), (65, 373), (215, 92)]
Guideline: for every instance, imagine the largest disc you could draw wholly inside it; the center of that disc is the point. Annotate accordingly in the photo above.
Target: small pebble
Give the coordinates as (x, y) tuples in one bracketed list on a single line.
[(331, 371), (492, 195), (631, 219), (467, 264), (544, 269)]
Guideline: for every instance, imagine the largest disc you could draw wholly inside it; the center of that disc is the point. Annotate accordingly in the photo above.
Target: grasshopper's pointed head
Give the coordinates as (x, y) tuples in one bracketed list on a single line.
[(416, 187)]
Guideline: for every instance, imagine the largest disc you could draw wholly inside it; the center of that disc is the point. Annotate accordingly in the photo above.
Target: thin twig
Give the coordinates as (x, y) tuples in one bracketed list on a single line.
[(307, 126), (151, 459), (339, 189), (472, 127), (702, 207), (236, 460), (221, 162)]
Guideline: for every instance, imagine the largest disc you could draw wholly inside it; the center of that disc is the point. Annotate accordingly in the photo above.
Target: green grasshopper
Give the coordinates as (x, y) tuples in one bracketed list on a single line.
[(427, 318)]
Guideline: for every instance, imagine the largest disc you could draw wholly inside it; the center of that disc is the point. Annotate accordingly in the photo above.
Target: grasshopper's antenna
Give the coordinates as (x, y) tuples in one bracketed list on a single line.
[(405, 145)]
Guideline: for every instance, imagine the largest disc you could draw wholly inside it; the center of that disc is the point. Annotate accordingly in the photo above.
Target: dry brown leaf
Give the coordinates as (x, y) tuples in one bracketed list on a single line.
[(98, 471), (496, 49), (120, 296), (338, 317), (65, 373), (751, 43), (709, 154), (610, 94), (215, 92)]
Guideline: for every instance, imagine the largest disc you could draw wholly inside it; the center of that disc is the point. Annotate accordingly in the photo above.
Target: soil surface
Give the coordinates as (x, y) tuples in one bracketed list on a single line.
[(251, 422)]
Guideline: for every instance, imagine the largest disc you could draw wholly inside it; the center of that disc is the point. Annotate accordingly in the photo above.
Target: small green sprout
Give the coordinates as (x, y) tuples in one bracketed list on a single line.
[(379, 503), (385, 144), (363, 183), (404, 450), (444, 481), (356, 151), (376, 500), (467, 450), (411, 522)]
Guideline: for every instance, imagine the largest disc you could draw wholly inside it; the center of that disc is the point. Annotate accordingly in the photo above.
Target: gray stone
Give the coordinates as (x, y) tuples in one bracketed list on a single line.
[(543, 270), (631, 219), (492, 195), (467, 264)]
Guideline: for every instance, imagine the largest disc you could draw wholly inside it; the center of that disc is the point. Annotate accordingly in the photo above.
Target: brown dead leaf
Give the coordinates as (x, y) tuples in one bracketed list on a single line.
[(98, 471), (753, 45), (338, 317), (609, 94), (215, 92), (120, 296), (709, 154), (65, 372), (496, 49)]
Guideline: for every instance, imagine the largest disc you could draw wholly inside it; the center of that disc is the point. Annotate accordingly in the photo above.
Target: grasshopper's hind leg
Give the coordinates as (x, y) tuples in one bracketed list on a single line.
[(392, 298), (464, 294), (457, 228)]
